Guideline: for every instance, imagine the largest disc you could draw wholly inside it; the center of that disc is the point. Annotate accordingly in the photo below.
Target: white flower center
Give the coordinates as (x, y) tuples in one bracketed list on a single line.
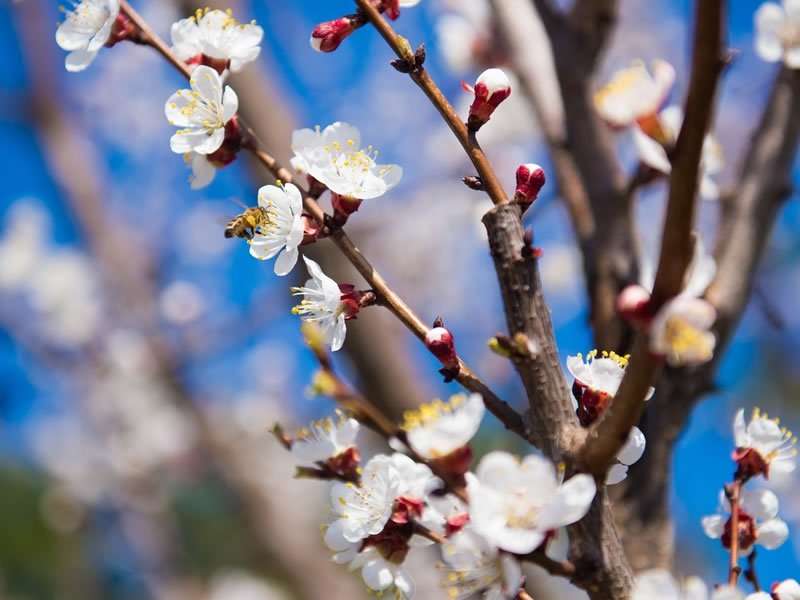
[(89, 16), (205, 112), (520, 513), (352, 163)]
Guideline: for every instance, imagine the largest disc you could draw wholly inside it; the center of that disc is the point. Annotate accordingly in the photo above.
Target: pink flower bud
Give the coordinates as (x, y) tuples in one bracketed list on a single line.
[(351, 300), (124, 29), (530, 179), (440, 342), (491, 88), (633, 304), (326, 37)]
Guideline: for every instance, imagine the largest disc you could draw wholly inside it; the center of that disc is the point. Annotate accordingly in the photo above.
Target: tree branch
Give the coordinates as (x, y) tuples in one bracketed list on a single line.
[(747, 219), (502, 410), (610, 433)]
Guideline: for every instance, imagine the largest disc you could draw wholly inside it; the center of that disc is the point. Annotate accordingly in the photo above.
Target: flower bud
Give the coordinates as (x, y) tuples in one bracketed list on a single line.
[(491, 88), (311, 229), (530, 179), (440, 342), (124, 29), (326, 37), (633, 304), (231, 145)]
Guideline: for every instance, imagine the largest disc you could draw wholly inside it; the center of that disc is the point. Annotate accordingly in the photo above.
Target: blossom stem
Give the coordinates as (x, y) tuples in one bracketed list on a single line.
[(733, 492), (425, 532), (750, 574), (467, 378), (421, 77), (523, 595)]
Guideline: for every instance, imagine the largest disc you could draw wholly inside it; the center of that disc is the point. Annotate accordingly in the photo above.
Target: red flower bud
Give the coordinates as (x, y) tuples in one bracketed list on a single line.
[(351, 300), (530, 179), (456, 523), (747, 532), (440, 342), (749, 464), (124, 29), (311, 229), (326, 37), (491, 88), (633, 304)]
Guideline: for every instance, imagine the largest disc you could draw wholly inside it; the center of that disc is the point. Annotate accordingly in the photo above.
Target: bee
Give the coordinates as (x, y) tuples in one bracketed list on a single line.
[(246, 224)]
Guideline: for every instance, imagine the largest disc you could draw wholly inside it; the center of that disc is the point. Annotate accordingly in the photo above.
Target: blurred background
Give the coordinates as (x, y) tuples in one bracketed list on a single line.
[(143, 357)]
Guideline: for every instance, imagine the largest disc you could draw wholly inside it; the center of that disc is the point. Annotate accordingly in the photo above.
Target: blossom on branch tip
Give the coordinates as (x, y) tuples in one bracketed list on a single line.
[(322, 304), (202, 112), (758, 521), (284, 229), (762, 446), (326, 37), (597, 380), (634, 95), (334, 157), (441, 431), (657, 136), (330, 444), (778, 32), (87, 27), (681, 331), (517, 504), (491, 88), (530, 179), (473, 566), (216, 39)]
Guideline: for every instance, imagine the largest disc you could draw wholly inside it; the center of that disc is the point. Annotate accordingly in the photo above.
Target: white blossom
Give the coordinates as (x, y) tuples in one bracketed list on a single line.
[(600, 371), (439, 428), (284, 231), (201, 112), (241, 585), (633, 94), (628, 455), (758, 508), (22, 246), (657, 137), (788, 589), (86, 29), (219, 36), (181, 302), (473, 566), (334, 157), (325, 439), (773, 444), (681, 331), (363, 510), (322, 305), (514, 504), (699, 274), (778, 32), (658, 584)]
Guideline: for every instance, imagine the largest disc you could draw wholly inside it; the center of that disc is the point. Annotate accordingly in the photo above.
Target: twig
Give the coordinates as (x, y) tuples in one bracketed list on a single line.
[(750, 574), (733, 492), (610, 433), (564, 568), (523, 595), (421, 77), (502, 410)]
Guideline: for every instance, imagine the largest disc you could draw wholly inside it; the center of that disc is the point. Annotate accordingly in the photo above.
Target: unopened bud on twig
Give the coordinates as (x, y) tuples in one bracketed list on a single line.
[(633, 305), (473, 182), (327, 36), (491, 88), (530, 179), (440, 342)]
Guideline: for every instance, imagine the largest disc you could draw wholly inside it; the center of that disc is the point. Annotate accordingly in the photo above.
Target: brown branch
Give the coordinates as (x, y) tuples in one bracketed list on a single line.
[(562, 568), (590, 179), (610, 433), (750, 574), (764, 183), (502, 410), (420, 76), (733, 493)]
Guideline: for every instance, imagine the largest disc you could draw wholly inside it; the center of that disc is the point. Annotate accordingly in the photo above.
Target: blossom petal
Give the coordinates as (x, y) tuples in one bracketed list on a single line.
[(230, 104), (650, 151), (203, 172), (772, 534), (570, 503), (762, 505), (769, 19), (714, 526), (633, 449), (286, 261), (377, 574), (616, 474), (78, 60)]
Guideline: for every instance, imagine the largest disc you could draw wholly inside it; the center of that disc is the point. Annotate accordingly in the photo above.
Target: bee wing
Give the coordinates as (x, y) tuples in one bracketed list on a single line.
[(239, 203)]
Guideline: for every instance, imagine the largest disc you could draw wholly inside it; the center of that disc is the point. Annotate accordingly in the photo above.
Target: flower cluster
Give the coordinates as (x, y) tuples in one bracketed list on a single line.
[(596, 380), (657, 583), (778, 32)]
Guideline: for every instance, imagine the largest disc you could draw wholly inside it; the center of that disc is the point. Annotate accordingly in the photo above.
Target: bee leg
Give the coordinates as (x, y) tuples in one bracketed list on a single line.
[(248, 234)]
